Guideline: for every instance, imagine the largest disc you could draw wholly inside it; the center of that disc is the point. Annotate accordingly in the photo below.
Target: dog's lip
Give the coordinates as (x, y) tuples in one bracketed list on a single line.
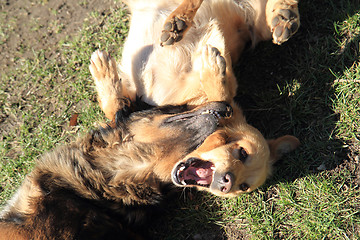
[(194, 172), (225, 111)]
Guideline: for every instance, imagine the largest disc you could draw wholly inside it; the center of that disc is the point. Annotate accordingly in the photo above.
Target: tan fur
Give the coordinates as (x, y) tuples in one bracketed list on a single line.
[(97, 187), (196, 67)]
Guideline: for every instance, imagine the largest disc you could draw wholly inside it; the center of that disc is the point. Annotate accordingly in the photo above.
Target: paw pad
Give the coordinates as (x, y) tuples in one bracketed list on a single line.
[(173, 31), (284, 24)]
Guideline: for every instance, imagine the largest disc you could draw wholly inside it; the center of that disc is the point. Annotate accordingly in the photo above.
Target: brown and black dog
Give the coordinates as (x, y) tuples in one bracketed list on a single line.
[(100, 186), (181, 52)]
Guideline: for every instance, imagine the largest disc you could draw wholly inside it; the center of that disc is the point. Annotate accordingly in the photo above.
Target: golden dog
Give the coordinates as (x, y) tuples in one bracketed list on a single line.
[(102, 185), (182, 53)]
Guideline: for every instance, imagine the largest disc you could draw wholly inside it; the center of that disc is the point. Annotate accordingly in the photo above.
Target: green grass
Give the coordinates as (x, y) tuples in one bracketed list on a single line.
[(38, 99), (309, 87)]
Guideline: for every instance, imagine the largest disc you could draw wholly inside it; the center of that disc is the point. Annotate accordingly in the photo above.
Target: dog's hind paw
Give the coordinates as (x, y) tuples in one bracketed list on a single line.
[(285, 22), (179, 21), (173, 31)]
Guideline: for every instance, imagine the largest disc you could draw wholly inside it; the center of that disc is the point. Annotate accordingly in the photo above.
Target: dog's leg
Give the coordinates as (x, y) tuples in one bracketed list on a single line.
[(212, 66), (179, 21), (107, 82), (215, 78), (271, 19), (283, 18)]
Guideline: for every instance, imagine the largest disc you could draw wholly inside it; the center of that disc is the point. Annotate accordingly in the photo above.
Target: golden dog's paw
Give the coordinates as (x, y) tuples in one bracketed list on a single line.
[(285, 22), (213, 77), (107, 82), (173, 30), (213, 60), (103, 67), (179, 21)]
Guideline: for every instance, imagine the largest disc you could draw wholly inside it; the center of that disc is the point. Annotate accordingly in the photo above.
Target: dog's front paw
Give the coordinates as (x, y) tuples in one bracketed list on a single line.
[(103, 67), (107, 82), (285, 22), (213, 74), (213, 61)]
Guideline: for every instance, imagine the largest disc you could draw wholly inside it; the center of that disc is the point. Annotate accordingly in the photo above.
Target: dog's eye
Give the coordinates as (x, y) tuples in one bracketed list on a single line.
[(244, 186), (240, 154)]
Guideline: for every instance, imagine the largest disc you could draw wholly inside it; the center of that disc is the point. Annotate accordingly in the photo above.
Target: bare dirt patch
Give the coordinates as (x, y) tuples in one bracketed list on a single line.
[(35, 25), (28, 27)]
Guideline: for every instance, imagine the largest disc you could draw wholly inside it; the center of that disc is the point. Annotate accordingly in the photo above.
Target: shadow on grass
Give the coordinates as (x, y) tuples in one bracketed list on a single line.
[(289, 89), (187, 215)]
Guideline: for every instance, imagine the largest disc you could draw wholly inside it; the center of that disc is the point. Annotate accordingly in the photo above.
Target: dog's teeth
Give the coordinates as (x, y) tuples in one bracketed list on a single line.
[(212, 112), (206, 112)]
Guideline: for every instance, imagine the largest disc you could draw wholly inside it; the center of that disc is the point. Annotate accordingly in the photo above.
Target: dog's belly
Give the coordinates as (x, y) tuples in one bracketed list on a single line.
[(158, 74)]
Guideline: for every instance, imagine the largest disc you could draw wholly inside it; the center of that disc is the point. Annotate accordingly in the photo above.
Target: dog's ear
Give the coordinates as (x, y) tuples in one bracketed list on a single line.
[(282, 145)]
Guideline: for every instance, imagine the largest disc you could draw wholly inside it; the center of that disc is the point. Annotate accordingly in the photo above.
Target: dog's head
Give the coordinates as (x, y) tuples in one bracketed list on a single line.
[(148, 142), (232, 161), (169, 133)]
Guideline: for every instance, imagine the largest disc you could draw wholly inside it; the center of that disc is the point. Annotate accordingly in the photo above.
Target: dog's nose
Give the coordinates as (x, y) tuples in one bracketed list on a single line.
[(223, 182), (226, 183)]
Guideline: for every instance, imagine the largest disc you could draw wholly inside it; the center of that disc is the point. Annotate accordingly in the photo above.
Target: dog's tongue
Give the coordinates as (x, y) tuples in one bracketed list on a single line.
[(200, 173)]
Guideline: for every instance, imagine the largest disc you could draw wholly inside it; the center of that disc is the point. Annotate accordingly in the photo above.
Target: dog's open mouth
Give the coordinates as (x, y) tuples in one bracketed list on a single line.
[(195, 172)]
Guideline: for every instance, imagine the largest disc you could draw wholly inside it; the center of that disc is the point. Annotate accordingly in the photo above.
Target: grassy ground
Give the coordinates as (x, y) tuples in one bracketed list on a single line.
[(309, 87)]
